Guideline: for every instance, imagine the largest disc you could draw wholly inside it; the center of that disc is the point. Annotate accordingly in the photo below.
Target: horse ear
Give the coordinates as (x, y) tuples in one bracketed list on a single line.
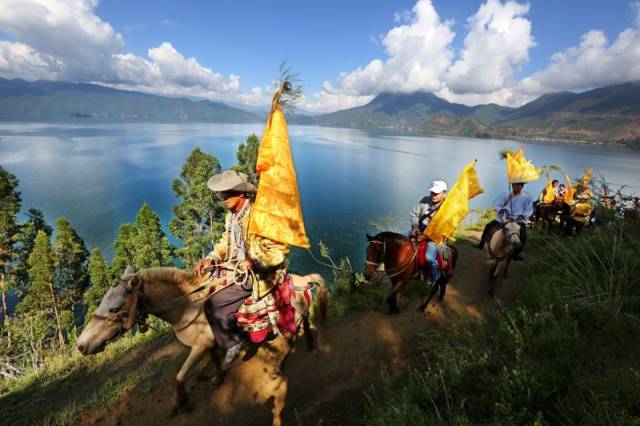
[(369, 237)]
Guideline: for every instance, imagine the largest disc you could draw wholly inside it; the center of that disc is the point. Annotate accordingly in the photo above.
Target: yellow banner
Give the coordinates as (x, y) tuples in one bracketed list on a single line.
[(277, 212), (455, 206), (519, 169), (587, 177), (549, 195), (568, 196)]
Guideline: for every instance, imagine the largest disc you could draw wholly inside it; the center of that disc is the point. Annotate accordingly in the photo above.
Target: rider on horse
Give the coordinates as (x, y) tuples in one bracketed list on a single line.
[(421, 215), (264, 257), (515, 205)]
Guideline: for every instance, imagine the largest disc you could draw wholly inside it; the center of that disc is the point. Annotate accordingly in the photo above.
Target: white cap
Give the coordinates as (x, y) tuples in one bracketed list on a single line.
[(437, 186)]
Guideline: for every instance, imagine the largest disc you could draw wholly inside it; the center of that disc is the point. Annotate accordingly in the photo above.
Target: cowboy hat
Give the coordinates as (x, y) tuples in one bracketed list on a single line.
[(230, 180)]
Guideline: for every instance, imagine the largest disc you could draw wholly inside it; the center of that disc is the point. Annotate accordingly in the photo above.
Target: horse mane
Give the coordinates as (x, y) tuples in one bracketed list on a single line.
[(391, 235), (168, 275)]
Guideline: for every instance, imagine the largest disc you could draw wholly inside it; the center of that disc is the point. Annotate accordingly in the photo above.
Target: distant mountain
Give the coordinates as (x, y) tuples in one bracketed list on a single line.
[(604, 114), (53, 100)]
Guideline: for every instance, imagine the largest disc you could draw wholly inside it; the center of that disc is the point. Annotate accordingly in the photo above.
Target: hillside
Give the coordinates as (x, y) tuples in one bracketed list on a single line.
[(603, 114), (51, 100)]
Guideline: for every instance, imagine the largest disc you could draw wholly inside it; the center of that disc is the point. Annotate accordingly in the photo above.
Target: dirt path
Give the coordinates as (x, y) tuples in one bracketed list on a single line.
[(328, 385)]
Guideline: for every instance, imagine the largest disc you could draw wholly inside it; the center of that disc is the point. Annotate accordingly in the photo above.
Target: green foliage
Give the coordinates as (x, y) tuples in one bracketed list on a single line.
[(197, 219), (25, 241), (100, 279), (71, 257), (247, 156), (9, 207), (141, 244)]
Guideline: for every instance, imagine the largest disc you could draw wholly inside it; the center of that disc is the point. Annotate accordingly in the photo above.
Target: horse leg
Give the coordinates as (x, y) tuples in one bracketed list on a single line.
[(506, 268), (424, 305), (392, 299), (279, 369), (280, 396), (492, 281), (182, 400), (443, 287), (308, 334), (218, 378)]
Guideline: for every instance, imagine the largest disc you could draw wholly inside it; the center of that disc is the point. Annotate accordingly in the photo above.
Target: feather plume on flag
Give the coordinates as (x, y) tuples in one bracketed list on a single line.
[(455, 206), (277, 211)]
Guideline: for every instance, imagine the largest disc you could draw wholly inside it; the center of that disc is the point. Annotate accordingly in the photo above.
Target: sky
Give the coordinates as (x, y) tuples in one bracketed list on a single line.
[(345, 52)]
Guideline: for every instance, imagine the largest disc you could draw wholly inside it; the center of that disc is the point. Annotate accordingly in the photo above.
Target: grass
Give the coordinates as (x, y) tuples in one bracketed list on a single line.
[(568, 353)]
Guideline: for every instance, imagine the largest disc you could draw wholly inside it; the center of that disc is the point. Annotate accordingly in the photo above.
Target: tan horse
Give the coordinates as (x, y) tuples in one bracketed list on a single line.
[(168, 293), (501, 245)]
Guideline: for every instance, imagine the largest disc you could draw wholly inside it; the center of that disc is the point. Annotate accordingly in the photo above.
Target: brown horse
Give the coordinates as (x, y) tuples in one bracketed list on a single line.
[(548, 213), (398, 255), (177, 297)]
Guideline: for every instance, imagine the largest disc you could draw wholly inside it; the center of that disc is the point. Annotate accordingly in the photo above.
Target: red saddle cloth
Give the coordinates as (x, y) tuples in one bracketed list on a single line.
[(446, 262)]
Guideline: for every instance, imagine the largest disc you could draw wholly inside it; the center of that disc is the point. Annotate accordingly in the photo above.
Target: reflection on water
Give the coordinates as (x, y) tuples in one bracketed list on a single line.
[(99, 175)]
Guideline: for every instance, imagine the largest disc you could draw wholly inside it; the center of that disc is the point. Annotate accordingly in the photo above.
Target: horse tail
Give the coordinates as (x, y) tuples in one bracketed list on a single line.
[(322, 299)]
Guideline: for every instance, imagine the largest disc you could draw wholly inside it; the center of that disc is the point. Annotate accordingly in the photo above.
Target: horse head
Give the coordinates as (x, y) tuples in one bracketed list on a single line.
[(114, 316), (511, 232), (375, 255)]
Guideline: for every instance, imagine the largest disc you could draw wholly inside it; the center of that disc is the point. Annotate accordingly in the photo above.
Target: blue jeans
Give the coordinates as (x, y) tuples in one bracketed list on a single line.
[(431, 255)]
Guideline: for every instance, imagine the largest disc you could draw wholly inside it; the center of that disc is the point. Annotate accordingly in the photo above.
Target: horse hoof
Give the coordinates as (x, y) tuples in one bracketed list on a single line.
[(217, 381)]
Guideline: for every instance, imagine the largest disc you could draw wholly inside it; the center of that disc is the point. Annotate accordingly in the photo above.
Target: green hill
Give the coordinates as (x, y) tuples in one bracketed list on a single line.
[(51, 100)]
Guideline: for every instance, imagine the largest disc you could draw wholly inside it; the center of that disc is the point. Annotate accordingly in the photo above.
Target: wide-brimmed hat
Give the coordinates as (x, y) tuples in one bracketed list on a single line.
[(437, 186), (230, 180)]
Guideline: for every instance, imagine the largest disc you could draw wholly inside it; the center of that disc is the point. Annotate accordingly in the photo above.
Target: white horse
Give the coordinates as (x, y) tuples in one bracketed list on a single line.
[(502, 244), (172, 295)]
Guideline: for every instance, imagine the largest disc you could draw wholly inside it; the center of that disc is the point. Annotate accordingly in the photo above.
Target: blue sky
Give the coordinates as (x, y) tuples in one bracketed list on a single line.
[(346, 52)]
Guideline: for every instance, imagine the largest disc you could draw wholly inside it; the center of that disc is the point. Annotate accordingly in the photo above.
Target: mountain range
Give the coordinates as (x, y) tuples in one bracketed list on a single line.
[(605, 114)]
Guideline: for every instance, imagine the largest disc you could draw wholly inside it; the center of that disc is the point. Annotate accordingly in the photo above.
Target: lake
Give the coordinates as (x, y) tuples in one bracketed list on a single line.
[(98, 175)]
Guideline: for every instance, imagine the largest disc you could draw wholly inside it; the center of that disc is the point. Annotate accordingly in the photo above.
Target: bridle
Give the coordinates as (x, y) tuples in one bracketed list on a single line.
[(380, 258), (126, 316)]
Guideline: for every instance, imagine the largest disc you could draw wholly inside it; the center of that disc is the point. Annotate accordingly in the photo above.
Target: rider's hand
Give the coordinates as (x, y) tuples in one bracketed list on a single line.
[(202, 264), (520, 218), (415, 232)]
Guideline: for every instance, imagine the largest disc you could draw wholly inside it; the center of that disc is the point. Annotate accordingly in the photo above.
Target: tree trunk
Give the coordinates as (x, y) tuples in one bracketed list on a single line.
[(5, 306), (58, 325)]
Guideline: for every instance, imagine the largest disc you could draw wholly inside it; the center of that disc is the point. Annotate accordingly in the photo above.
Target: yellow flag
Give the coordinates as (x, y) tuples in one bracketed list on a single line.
[(549, 194), (277, 212), (568, 196), (455, 206), (519, 169), (587, 177)]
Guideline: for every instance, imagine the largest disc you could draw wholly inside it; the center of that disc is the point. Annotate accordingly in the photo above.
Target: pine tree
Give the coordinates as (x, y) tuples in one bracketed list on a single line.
[(41, 304), (10, 201), (151, 246), (71, 257), (100, 279), (198, 219), (124, 249), (25, 240), (247, 156)]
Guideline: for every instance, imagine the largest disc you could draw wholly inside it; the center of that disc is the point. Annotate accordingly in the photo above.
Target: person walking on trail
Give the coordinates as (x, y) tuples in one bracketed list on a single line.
[(421, 215), (514, 205), (241, 253)]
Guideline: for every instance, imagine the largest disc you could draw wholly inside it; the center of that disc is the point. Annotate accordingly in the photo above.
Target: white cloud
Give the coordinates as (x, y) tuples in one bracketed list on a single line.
[(594, 62), (65, 40), (499, 39)]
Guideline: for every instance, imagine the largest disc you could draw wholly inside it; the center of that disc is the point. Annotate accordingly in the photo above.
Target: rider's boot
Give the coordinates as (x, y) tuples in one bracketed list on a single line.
[(232, 355)]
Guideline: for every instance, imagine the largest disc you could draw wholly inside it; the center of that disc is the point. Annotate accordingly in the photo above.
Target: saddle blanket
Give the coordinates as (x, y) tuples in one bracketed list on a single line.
[(446, 257)]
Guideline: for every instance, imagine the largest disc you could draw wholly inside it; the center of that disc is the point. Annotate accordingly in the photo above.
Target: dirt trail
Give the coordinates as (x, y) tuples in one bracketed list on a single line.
[(328, 384)]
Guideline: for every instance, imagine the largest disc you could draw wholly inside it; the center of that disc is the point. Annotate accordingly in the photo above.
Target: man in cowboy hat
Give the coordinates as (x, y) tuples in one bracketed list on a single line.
[(242, 252), (512, 205), (421, 215)]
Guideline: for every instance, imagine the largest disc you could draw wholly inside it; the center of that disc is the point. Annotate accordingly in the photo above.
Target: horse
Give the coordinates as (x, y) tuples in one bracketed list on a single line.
[(501, 245), (177, 297), (575, 217), (398, 255), (547, 212)]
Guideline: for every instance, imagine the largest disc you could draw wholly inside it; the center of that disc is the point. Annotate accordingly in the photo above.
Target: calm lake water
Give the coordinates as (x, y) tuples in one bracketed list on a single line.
[(98, 175)]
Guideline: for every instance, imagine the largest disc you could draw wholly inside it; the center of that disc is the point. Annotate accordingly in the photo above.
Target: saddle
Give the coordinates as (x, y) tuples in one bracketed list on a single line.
[(447, 257)]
